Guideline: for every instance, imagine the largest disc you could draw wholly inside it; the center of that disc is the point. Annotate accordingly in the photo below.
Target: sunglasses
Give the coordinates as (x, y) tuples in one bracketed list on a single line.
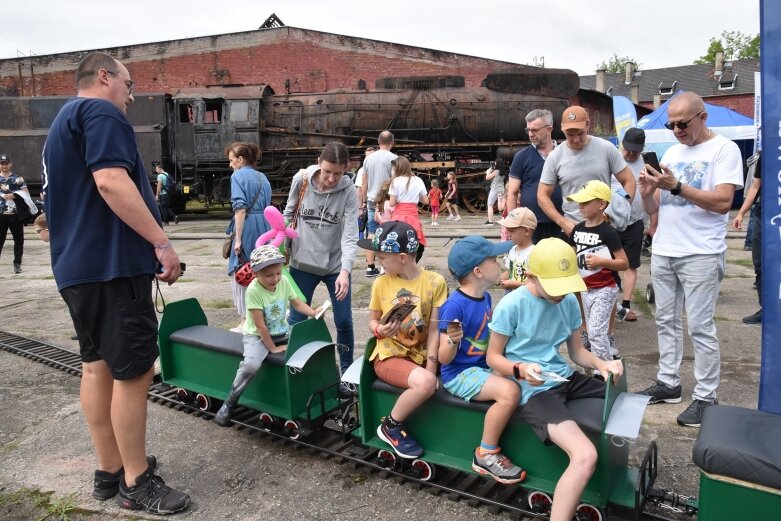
[(670, 125)]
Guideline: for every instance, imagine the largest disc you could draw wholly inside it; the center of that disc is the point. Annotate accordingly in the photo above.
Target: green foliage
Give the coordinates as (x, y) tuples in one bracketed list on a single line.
[(735, 46), (617, 63)]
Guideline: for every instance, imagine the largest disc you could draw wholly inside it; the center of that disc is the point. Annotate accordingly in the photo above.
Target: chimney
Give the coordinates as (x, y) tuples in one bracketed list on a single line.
[(600, 83), (634, 94), (630, 72), (657, 100), (718, 63)]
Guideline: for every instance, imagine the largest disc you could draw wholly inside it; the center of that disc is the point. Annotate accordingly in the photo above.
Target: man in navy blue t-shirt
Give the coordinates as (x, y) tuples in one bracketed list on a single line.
[(106, 237)]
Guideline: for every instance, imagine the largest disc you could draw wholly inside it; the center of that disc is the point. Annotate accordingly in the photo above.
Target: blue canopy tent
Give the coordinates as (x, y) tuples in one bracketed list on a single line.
[(721, 120)]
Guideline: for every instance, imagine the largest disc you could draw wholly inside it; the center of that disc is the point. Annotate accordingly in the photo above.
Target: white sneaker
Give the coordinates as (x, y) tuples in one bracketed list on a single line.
[(434, 224), (237, 329), (449, 218), (457, 218)]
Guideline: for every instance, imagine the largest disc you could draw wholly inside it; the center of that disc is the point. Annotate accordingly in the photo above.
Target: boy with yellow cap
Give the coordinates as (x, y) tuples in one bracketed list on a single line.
[(600, 257), (527, 328)]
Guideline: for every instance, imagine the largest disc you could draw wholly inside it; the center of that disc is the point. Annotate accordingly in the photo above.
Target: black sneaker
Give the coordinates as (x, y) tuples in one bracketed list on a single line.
[(372, 272), (756, 318), (107, 483), (17, 268), (692, 416), (660, 392), (346, 391), (152, 495), (176, 219)]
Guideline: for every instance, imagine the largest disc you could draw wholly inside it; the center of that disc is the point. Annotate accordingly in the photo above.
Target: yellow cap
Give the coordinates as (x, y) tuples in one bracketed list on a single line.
[(590, 191), (553, 262)]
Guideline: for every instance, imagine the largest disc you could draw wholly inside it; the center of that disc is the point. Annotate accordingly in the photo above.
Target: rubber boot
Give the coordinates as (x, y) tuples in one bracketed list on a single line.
[(223, 416)]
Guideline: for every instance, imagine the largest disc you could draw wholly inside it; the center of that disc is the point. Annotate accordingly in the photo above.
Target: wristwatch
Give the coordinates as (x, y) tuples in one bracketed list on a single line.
[(676, 190)]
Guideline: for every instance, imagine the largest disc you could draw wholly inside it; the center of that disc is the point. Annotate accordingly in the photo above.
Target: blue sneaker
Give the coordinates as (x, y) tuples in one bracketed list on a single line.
[(402, 442)]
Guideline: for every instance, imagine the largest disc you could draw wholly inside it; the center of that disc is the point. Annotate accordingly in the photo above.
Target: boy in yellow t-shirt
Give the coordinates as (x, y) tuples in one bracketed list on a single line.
[(406, 352)]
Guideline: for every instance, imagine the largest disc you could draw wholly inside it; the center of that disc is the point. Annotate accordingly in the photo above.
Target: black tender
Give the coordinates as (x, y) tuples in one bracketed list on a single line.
[(740, 443)]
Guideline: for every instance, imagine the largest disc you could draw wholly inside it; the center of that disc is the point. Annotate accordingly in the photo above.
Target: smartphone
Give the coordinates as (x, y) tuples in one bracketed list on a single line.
[(159, 267), (650, 159)]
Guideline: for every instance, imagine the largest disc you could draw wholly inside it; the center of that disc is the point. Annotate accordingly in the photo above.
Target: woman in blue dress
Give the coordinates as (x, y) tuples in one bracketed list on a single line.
[(247, 185)]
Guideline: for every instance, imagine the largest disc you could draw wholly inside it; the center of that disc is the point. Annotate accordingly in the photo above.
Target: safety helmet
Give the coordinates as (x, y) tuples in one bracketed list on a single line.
[(244, 274)]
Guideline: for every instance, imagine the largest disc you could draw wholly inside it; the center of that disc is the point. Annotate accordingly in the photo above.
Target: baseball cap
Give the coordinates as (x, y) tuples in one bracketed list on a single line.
[(590, 191), (553, 262), (574, 117), (470, 251), (155, 163), (519, 217), (392, 237), (265, 255), (5, 158), (634, 139)]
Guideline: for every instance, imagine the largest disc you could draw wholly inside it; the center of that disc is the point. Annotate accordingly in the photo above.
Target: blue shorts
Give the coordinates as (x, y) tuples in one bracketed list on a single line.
[(468, 383), (371, 224)]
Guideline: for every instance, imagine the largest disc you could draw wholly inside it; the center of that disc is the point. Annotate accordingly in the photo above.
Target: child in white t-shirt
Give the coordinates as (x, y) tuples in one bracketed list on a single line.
[(520, 224)]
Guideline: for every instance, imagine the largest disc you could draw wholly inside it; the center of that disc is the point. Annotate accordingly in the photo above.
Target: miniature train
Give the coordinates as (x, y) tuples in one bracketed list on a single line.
[(438, 122), (296, 392)]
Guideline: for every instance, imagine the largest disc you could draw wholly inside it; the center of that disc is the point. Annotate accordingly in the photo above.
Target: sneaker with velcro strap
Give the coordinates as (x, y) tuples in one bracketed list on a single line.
[(106, 484), (152, 495), (400, 441), (498, 466)]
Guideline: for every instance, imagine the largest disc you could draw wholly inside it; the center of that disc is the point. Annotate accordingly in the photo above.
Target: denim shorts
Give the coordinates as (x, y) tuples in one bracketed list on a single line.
[(371, 224), (468, 383)]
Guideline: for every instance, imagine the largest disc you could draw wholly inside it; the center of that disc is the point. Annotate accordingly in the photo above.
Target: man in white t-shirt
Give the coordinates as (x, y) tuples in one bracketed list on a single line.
[(692, 195), (580, 159), (377, 169), (359, 175)]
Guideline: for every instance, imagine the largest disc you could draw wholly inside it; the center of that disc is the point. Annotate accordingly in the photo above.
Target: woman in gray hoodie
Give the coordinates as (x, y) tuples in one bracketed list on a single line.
[(325, 204)]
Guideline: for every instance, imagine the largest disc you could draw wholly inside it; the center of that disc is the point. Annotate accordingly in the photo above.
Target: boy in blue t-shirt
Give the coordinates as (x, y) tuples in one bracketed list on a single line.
[(463, 329), (265, 327), (528, 326)]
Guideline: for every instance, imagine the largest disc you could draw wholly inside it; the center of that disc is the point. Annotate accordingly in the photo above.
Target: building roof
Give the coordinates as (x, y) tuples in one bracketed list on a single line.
[(737, 77)]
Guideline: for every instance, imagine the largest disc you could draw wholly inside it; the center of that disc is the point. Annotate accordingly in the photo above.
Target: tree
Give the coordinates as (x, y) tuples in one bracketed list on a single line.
[(735, 46), (617, 63)]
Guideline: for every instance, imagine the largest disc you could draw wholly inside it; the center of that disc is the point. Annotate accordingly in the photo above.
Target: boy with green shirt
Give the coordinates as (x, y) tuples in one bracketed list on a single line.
[(266, 328)]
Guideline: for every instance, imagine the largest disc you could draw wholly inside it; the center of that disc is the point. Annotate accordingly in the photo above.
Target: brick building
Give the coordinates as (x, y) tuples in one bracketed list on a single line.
[(725, 83), (286, 58)]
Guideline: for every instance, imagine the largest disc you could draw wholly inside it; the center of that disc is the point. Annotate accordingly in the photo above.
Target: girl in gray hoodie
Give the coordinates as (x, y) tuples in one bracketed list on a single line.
[(325, 204)]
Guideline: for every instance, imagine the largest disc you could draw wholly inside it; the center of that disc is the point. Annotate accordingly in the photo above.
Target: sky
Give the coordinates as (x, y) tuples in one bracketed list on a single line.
[(570, 34)]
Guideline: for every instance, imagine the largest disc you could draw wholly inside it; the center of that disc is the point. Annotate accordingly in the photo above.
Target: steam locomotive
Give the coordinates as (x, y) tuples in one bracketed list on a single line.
[(439, 124)]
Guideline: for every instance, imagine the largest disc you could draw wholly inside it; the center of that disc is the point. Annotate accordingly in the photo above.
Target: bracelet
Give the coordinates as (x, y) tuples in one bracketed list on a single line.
[(517, 372)]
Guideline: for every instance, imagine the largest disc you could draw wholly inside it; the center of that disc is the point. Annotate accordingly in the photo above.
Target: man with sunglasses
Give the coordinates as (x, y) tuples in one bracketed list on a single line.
[(106, 236), (525, 172), (580, 159), (692, 196)]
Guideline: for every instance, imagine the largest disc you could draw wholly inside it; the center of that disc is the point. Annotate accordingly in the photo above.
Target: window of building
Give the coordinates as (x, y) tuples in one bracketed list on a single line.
[(727, 81), (212, 111), (667, 88)]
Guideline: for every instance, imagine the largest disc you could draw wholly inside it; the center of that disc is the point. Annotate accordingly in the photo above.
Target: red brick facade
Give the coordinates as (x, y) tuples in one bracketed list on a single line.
[(310, 61)]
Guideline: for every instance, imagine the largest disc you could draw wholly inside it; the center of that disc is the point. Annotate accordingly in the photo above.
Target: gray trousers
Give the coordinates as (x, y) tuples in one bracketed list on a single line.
[(598, 305), (692, 281), (254, 354)]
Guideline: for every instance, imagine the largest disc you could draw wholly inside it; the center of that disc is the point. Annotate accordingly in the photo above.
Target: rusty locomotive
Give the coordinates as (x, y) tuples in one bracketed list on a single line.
[(439, 124)]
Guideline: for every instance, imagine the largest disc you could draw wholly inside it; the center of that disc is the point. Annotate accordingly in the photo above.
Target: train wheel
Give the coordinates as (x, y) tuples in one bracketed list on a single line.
[(424, 469), (266, 421), (292, 426), (475, 200), (539, 502), (182, 395), (586, 512), (203, 402), (649, 293), (386, 458)]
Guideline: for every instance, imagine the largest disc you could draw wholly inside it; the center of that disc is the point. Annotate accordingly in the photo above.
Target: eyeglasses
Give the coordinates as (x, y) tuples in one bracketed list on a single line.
[(535, 130), (670, 125), (130, 84)]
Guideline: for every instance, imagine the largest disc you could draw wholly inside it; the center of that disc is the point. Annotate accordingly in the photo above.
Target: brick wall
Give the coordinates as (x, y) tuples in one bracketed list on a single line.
[(740, 103), (311, 61)]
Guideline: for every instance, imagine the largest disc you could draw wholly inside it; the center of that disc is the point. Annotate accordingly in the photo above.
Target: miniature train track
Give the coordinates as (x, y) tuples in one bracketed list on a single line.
[(333, 444)]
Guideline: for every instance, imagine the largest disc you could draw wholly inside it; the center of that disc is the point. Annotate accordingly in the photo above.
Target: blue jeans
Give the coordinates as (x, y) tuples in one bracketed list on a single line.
[(692, 281), (343, 313)]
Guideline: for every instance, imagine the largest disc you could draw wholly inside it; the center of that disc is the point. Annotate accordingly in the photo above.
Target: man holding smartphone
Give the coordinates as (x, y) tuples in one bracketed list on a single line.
[(692, 194)]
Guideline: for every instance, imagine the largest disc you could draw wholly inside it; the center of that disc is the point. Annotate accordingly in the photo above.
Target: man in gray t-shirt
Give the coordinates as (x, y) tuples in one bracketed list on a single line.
[(377, 169), (581, 158)]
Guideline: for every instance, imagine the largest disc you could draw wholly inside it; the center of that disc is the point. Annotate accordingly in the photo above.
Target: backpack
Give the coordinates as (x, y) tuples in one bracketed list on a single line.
[(170, 183)]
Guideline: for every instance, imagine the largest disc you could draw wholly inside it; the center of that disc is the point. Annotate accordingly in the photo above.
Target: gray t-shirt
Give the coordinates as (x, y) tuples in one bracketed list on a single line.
[(571, 169), (378, 169)]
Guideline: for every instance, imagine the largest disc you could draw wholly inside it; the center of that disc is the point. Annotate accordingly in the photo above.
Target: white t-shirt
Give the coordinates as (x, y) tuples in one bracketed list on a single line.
[(684, 228), (359, 177), (407, 194), (515, 261), (638, 211), (378, 169), (571, 169)]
